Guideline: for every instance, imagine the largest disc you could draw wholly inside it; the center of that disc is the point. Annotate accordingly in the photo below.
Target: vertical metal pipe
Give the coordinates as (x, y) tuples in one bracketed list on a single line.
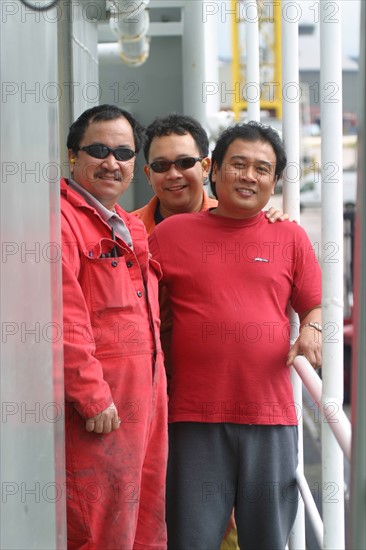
[(252, 84), (200, 61), (277, 14), (291, 113), (65, 72), (332, 239), (358, 481), (235, 53), (290, 110), (210, 29)]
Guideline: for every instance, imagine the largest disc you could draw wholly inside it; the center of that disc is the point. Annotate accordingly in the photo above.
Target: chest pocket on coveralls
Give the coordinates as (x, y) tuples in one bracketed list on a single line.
[(108, 279)]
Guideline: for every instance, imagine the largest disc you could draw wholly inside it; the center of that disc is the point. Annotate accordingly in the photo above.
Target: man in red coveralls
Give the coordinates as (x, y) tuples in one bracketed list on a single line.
[(230, 277), (115, 386)]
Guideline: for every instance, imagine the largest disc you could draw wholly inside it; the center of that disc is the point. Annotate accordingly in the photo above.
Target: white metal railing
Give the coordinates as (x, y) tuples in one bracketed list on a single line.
[(291, 204), (331, 396), (334, 415), (310, 506), (332, 272), (338, 423)]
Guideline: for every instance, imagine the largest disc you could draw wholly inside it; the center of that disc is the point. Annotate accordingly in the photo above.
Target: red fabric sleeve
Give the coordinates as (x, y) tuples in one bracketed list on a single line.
[(84, 383)]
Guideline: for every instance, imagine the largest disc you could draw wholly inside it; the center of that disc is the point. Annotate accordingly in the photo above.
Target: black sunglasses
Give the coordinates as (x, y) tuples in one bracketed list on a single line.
[(100, 151), (184, 163)]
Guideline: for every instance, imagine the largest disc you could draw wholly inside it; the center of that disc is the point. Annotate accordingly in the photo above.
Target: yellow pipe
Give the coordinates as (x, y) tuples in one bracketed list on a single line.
[(276, 103), (235, 64), (278, 55)]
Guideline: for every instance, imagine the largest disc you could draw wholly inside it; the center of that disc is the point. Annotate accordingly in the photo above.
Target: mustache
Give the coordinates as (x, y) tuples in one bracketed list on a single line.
[(102, 172)]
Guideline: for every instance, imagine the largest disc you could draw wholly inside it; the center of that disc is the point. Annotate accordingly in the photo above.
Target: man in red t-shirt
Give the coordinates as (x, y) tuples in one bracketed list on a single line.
[(176, 150), (230, 277)]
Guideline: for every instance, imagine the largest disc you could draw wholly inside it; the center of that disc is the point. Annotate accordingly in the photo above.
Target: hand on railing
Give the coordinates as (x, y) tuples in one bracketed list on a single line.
[(309, 344)]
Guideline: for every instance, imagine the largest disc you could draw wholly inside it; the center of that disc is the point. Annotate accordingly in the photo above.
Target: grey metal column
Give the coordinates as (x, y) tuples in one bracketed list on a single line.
[(78, 79), (358, 481), (31, 370), (65, 71)]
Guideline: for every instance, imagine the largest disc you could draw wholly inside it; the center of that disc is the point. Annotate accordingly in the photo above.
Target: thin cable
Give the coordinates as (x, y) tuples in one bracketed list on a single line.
[(49, 6)]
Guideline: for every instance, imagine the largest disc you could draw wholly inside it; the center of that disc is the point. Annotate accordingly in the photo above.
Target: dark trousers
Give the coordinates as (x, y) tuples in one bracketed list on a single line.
[(215, 467)]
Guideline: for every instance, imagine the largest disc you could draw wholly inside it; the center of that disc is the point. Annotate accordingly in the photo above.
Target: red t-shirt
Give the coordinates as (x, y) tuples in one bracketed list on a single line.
[(230, 282)]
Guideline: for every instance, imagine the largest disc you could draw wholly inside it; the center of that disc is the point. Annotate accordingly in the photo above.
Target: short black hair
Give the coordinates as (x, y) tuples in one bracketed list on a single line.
[(180, 125), (250, 131), (98, 114)]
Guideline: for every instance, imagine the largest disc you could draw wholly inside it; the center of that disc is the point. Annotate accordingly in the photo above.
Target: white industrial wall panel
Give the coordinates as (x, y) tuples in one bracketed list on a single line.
[(31, 375)]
